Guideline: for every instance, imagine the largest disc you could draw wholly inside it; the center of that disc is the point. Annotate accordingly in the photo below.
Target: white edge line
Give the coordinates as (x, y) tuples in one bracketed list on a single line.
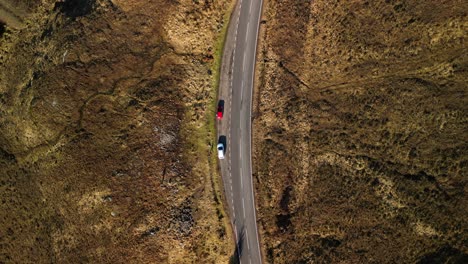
[(250, 134), (248, 31)]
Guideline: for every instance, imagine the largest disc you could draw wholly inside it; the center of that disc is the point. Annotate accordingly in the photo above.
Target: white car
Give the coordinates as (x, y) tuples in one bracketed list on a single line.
[(220, 148)]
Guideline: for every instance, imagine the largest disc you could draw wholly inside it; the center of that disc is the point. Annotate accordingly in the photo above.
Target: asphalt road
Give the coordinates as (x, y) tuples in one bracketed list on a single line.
[(236, 86)]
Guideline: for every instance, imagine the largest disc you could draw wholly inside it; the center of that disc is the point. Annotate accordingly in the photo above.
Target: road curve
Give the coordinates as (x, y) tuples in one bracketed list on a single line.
[(236, 86)]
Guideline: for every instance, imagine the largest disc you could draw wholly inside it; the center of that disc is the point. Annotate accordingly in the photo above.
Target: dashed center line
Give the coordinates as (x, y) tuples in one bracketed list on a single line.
[(243, 206), (241, 190)]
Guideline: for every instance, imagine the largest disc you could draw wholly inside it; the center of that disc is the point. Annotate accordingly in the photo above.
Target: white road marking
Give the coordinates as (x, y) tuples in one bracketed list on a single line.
[(250, 134), (243, 205), (241, 181), (248, 130), (230, 132)]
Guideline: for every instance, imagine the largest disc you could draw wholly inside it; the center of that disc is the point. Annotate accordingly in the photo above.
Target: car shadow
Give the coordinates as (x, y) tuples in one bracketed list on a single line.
[(235, 257), (223, 139)]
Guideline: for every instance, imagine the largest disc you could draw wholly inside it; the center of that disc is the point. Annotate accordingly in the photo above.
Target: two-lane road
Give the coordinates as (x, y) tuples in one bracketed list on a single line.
[(236, 86)]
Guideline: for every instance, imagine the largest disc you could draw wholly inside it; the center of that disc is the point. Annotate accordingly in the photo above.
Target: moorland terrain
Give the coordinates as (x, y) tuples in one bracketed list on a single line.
[(104, 135), (360, 142)]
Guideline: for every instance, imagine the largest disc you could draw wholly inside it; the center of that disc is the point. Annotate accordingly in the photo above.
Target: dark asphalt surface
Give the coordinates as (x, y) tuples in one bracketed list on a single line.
[(236, 86)]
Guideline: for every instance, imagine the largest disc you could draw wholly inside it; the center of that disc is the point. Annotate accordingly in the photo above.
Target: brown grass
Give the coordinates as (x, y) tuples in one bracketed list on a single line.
[(359, 132), (96, 163)]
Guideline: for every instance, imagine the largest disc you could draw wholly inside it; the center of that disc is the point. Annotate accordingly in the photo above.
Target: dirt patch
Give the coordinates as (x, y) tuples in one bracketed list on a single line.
[(95, 166), (359, 131)]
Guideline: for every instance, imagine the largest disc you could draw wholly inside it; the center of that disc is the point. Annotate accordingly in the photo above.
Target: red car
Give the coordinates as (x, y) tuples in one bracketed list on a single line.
[(219, 114)]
